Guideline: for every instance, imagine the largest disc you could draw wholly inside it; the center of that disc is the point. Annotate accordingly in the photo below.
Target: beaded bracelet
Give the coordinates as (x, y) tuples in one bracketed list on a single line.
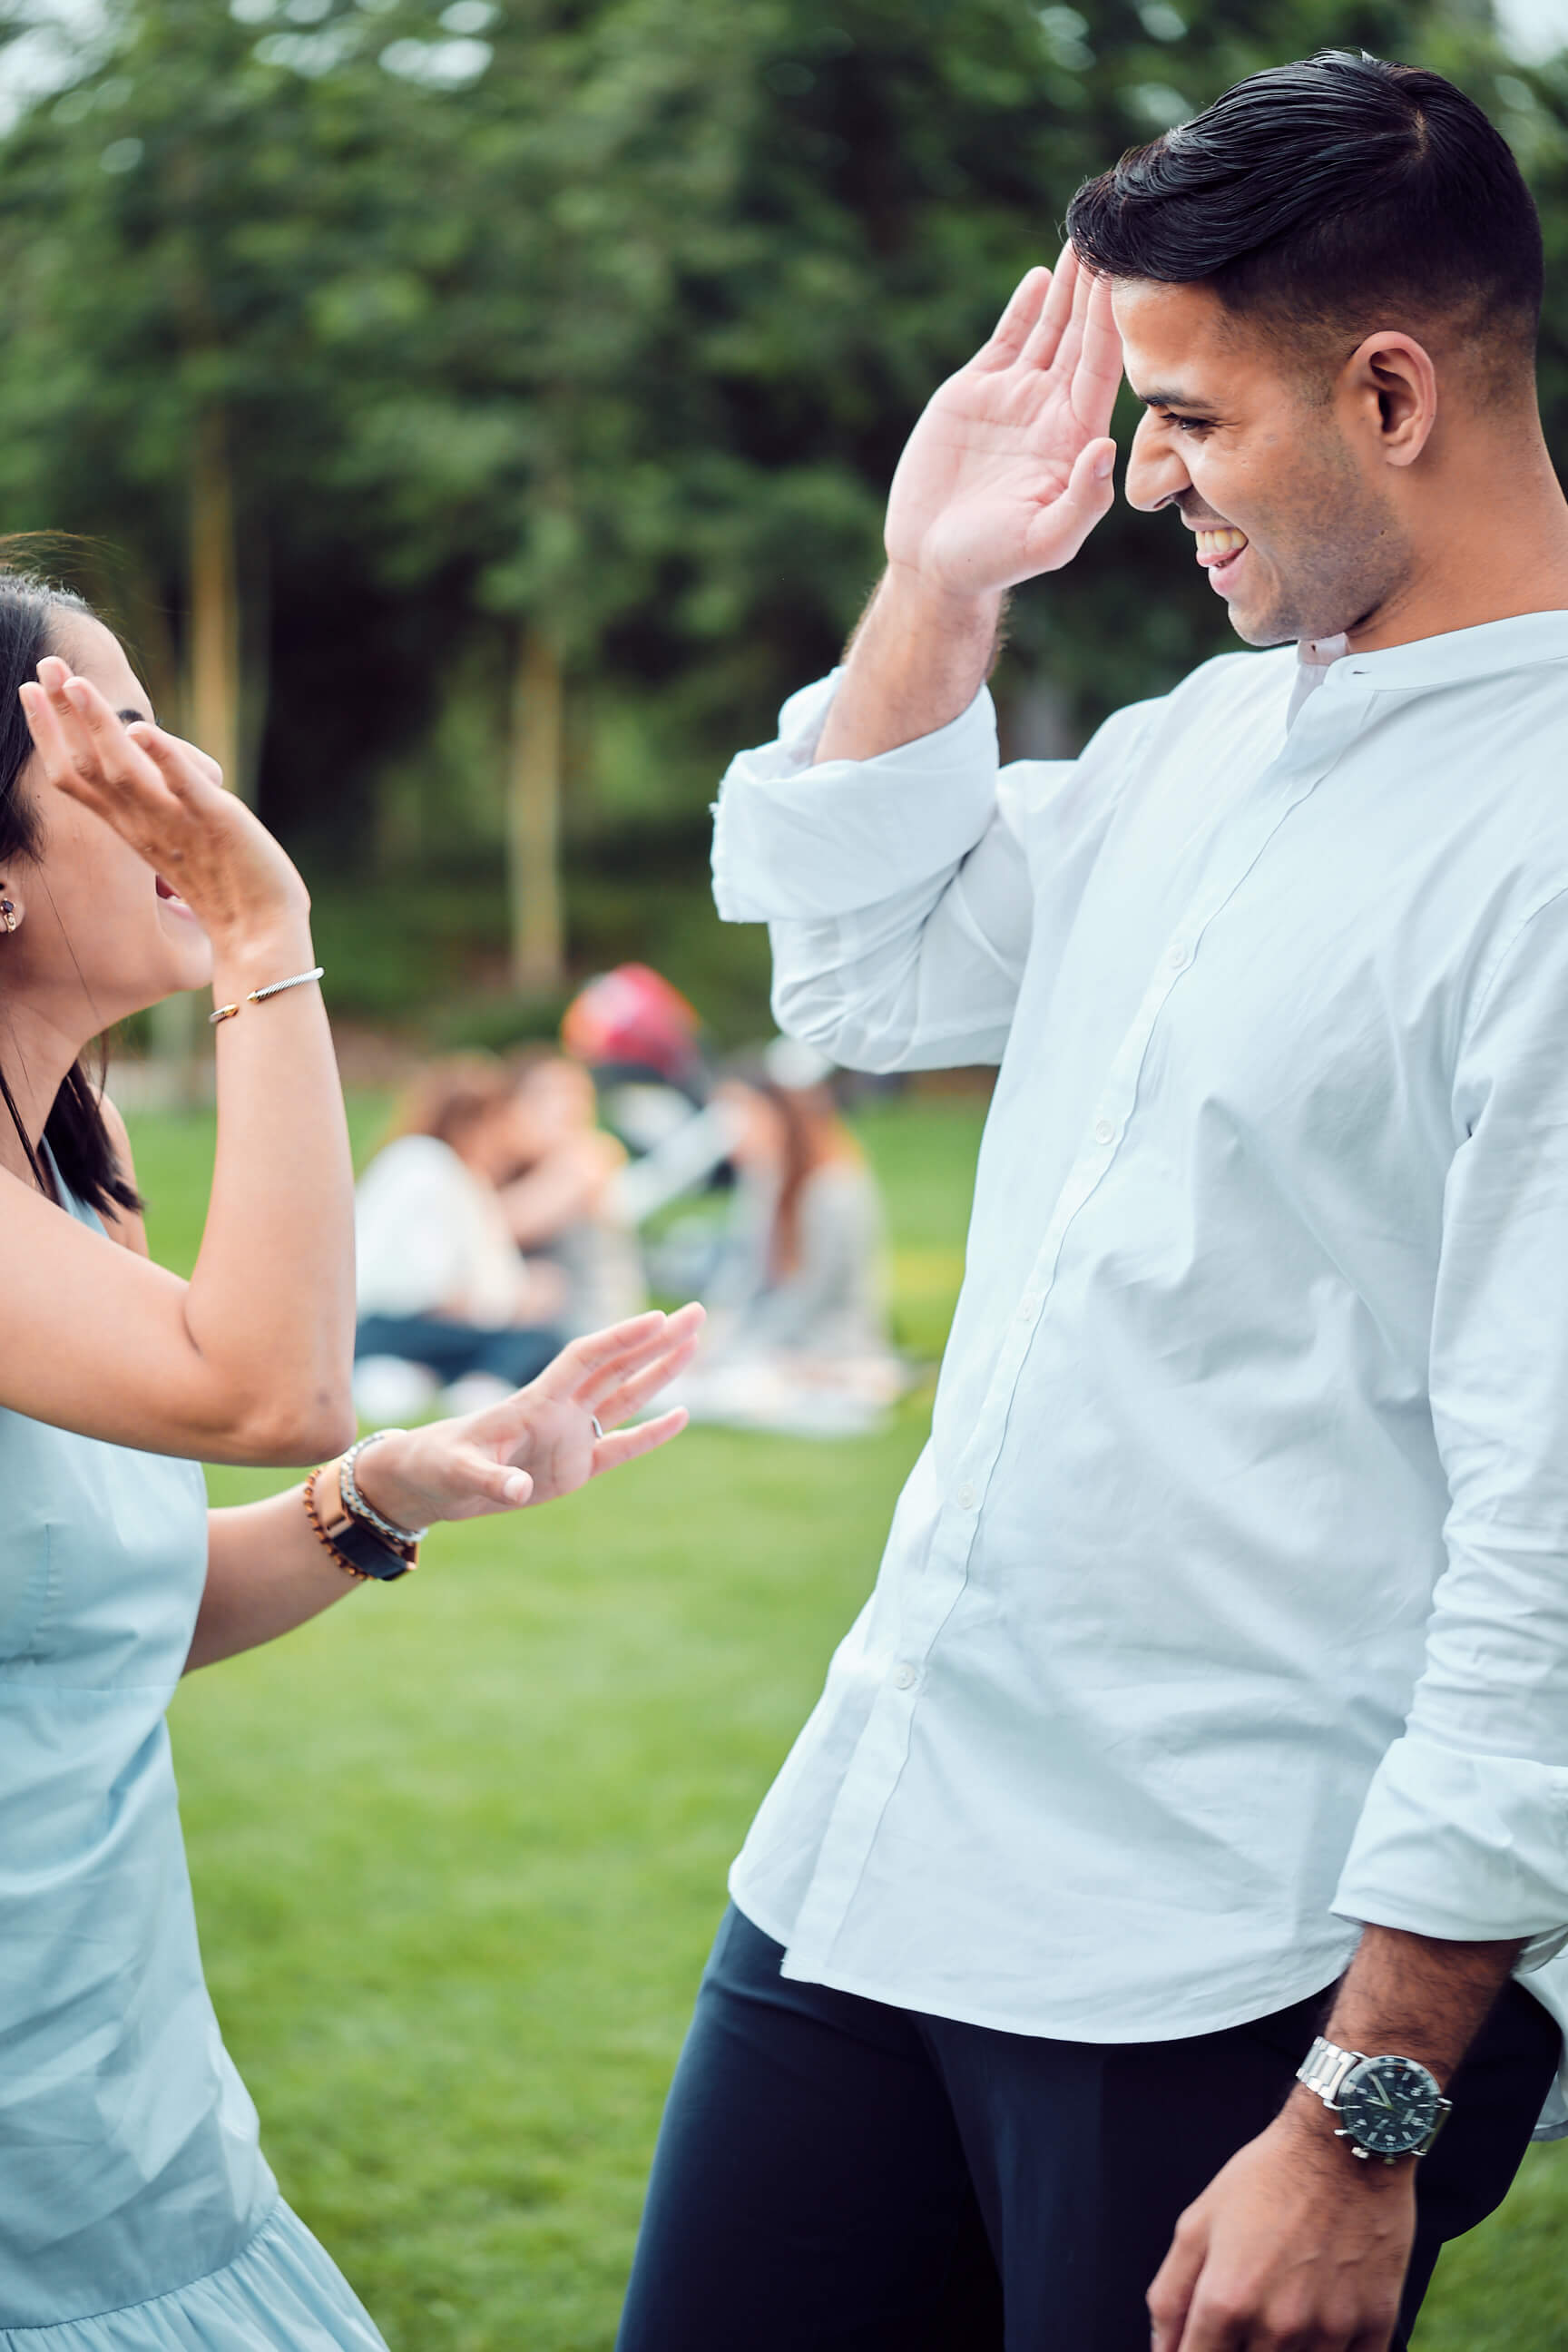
[(321, 1534)]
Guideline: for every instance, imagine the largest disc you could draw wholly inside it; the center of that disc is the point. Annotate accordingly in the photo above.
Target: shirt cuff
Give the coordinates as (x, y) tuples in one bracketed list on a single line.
[(1467, 1848), (797, 843)]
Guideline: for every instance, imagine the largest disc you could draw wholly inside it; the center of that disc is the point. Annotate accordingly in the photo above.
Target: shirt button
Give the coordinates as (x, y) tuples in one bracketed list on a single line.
[(966, 1498), (905, 1677), (1176, 955), (1028, 1308), (1105, 1130)]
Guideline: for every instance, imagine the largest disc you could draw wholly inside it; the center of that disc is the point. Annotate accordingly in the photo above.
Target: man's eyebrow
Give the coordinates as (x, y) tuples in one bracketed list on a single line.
[(1158, 399), (131, 718)]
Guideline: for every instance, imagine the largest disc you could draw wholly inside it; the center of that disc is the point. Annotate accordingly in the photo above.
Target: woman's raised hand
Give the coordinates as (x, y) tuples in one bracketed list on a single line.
[(166, 799), (1008, 469), (540, 1443)]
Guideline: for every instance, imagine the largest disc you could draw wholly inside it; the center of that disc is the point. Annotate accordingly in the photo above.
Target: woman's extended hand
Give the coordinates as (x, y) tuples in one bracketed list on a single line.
[(166, 799), (540, 1443)]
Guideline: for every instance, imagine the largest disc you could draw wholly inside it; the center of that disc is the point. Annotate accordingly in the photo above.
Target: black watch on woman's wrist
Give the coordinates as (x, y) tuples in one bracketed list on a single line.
[(355, 1539)]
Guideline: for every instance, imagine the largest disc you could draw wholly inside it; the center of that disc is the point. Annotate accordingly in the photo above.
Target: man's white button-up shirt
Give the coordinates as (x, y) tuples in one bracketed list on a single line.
[(1228, 1606)]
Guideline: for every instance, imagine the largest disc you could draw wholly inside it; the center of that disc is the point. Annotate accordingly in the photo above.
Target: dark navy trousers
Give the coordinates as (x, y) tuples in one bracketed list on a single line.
[(835, 2175)]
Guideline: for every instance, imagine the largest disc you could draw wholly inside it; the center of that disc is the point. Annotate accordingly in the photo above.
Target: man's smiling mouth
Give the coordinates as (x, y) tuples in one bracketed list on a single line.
[(1216, 546)]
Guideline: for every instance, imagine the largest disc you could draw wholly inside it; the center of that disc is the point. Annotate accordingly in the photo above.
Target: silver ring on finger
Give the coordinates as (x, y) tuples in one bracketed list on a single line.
[(598, 1429)]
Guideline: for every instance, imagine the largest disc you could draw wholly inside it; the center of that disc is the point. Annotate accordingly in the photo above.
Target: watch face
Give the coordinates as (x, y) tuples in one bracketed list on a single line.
[(1388, 2105)]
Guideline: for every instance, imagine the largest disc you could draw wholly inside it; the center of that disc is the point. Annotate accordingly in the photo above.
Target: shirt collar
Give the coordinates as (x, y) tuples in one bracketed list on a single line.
[(1315, 657), (1489, 650), (1461, 655)]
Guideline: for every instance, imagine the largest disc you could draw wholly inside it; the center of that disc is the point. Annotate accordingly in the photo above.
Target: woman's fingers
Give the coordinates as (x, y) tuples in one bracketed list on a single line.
[(178, 761), (500, 1483), (625, 1445), (473, 1479), (670, 1335), (583, 1361), (84, 747), (633, 1393)]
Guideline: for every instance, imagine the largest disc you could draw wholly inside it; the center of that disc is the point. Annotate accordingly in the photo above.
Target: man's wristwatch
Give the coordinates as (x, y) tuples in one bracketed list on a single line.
[(1389, 2106)]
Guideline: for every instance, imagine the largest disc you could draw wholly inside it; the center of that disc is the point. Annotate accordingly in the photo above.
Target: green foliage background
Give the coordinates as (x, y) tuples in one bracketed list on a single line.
[(612, 313)]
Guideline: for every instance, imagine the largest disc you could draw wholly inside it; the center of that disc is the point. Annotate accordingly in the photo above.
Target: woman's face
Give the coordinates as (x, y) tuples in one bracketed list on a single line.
[(554, 1101), (100, 936), (756, 1125)]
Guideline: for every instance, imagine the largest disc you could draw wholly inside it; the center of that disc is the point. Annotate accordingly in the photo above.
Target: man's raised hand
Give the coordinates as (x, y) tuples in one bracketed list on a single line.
[(1008, 469)]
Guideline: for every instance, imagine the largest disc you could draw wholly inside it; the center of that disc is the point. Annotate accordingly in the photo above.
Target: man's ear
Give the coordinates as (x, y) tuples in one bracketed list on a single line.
[(1392, 385)]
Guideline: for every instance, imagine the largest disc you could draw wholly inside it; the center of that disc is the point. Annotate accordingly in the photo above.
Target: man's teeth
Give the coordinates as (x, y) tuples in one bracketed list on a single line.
[(1214, 546)]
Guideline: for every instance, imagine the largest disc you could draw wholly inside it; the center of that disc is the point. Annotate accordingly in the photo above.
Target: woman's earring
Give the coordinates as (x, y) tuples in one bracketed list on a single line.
[(7, 914)]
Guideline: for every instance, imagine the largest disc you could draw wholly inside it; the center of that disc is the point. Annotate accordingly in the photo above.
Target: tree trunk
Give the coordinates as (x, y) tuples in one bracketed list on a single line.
[(213, 711), (211, 714), (534, 817)]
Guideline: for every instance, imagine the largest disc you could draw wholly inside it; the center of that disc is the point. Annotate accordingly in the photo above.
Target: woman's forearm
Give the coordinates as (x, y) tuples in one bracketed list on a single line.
[(268, 1571), (271, 1303)]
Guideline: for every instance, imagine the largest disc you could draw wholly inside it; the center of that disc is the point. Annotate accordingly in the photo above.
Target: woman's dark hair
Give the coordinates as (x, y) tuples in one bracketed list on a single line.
[(1339, 193), (74, 1129)]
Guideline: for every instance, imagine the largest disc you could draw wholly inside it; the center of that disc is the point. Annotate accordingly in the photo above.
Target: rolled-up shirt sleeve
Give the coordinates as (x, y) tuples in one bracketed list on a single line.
[(895, 889), (1464, 1834)]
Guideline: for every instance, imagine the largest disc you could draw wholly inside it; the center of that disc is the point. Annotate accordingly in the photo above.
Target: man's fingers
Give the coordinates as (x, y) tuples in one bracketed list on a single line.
[(1096, 378), (1019, 318), (1069, 345), (1063, 523), (625, 1445), (1171, 2295), (1045, 341)]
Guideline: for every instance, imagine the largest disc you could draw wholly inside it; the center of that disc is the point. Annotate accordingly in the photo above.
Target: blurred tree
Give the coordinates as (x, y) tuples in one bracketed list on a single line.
[(517, 386)]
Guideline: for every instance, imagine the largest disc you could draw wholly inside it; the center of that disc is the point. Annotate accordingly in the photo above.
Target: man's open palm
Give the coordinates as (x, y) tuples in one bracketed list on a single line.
[(1008, 470)]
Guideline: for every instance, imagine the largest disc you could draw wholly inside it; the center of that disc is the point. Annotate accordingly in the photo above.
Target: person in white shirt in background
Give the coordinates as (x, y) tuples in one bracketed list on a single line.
[(1185, 1817), (799, 1339), (445, 1300)]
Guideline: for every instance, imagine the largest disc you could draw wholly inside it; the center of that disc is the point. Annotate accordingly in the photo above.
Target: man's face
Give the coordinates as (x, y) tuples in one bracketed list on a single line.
[(1289, 518)]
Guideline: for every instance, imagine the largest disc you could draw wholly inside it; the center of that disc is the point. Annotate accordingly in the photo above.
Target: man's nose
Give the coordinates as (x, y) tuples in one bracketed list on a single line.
[(1156, 471)]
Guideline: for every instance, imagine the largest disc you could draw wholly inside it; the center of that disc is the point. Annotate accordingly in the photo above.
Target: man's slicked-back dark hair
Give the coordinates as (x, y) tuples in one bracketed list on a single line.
[(1339, 193)]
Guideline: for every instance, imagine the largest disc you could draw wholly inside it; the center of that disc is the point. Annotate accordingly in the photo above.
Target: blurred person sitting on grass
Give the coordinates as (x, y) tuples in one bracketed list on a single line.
[(798, 1335), (137, 2213), (560, 1196), (445, 1300)]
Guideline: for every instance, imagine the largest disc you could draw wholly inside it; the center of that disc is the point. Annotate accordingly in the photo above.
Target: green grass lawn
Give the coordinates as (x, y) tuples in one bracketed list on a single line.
[(460, 1846)]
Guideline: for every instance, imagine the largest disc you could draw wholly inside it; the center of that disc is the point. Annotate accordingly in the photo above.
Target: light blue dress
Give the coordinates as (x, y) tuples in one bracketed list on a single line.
[(137, 2213)]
